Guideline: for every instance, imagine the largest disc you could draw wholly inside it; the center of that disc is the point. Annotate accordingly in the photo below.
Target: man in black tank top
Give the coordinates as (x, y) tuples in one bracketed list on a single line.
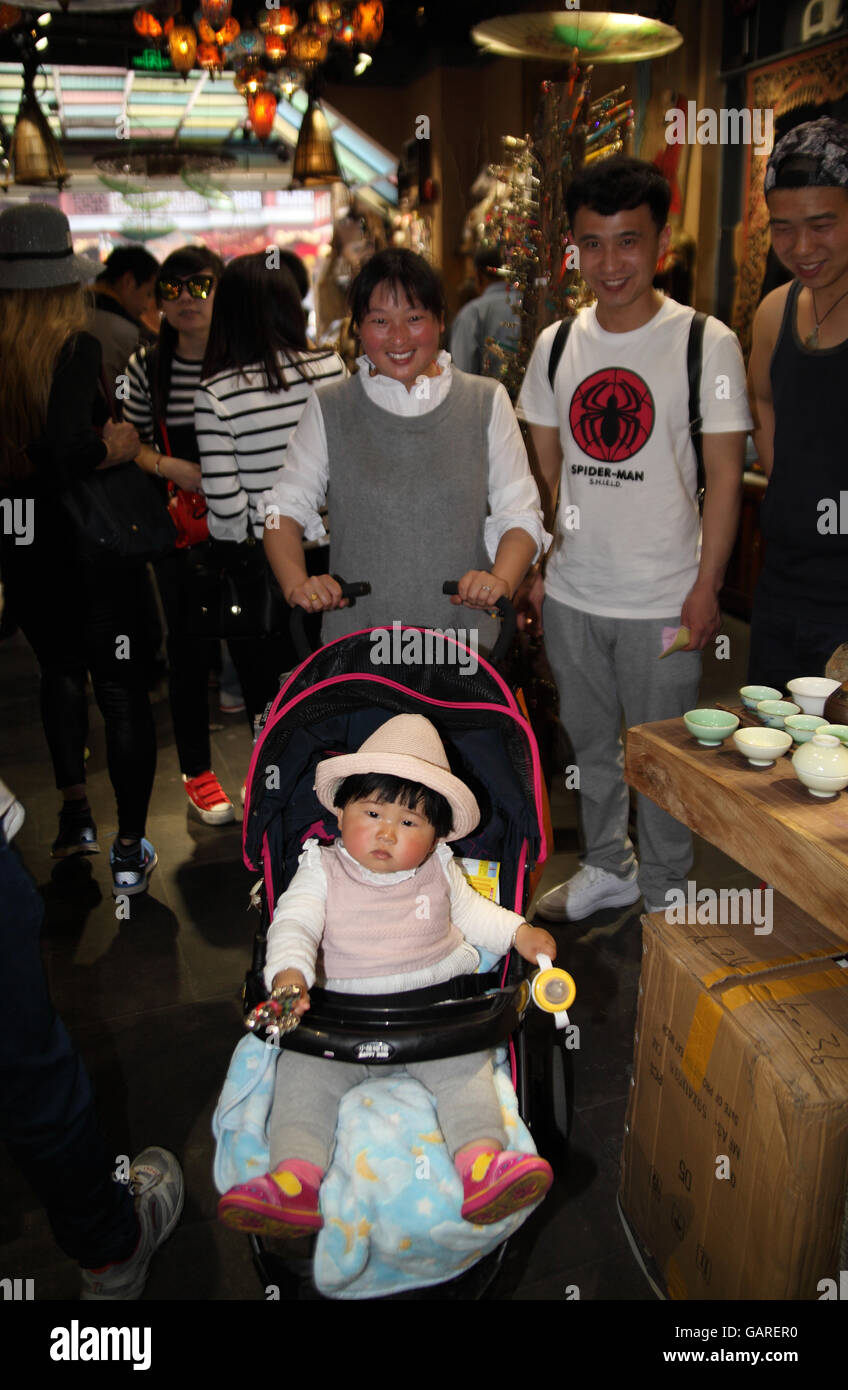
[(798, 379)]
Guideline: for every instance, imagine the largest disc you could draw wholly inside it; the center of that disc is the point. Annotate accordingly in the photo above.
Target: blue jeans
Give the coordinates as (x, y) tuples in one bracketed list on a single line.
[(47, 1115)]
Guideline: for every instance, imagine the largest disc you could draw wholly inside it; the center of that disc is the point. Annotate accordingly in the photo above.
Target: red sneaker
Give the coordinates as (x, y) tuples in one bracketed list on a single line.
[(279, 1204), (209, 799), (496, 1185)]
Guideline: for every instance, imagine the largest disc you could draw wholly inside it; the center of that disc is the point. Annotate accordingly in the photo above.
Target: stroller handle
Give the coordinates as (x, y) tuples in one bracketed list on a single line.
[(504, 608), (297, 628), (506, 613)]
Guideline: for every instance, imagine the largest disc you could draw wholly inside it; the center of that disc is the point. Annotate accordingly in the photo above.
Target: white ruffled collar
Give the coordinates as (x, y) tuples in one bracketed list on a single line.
[(442, 852)]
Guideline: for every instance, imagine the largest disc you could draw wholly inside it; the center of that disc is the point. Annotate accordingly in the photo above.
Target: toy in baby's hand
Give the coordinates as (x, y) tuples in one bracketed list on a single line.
[(276, 1015)]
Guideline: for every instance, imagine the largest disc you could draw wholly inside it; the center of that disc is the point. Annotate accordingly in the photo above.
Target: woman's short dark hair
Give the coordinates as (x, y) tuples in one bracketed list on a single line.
[(257, 319), (380, 786), (404, 271), (619, 185), (186, 260)]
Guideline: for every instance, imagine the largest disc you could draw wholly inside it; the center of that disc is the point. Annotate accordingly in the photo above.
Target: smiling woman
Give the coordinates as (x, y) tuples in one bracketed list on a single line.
[(425, 466)]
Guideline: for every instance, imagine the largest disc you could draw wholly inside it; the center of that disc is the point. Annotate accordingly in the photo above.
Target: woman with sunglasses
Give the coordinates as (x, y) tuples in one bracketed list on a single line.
[(55, 429), (162, 383)]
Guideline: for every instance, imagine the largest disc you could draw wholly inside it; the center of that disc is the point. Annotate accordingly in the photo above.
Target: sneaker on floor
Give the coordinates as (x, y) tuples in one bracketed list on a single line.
[(132, 866), (496, 1185), (282, 1204), (587, 891), (156, 1180), (230, 704), (209, 799), (77, 832)]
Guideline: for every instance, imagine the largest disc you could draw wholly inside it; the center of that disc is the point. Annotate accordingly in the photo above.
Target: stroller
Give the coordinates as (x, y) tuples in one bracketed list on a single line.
[(334, 700)]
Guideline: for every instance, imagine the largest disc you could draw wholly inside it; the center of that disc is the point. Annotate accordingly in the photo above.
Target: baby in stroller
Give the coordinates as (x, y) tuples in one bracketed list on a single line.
[(392, 912)]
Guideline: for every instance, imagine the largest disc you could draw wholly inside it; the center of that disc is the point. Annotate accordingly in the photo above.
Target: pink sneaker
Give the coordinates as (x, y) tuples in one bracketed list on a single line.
[(496, 1185), (281, 1204)]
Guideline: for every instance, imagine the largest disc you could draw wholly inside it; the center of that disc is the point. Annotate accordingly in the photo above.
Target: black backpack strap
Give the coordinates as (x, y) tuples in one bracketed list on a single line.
[(557, 346), (694, 363)]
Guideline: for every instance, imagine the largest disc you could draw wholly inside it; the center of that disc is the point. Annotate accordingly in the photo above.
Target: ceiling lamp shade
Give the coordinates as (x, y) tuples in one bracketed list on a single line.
[(308, 47), (249, 79), (315, 162), (326, 12), (35, 154), (262, 108), (283, 21), (182, 43), (210, 57), (147, 25), (275, 48), (216, 11), (368, 22)]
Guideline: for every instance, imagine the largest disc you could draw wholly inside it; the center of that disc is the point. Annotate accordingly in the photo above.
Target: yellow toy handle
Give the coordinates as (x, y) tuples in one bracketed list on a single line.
[(553, 990)]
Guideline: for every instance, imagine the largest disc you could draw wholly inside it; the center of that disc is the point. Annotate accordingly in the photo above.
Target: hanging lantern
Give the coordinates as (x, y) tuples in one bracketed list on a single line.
[(262, 107), (251, 42), (182, 43), (250, 78), (275, 48), (228, 32), (283, 21), (325, 12), (9, 16), (210, 57), (368, 22), (205, 32), (345, 32), (147, 25), (315, 160), (308, 47), (216, 11), (35, 154)]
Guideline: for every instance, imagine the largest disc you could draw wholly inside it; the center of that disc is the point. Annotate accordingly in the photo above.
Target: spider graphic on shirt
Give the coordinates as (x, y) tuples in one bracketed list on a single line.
[(612, 414)]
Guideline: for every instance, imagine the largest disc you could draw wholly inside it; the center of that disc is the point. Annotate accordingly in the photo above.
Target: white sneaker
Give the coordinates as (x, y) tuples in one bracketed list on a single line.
[(587, 891), (156, 1179)]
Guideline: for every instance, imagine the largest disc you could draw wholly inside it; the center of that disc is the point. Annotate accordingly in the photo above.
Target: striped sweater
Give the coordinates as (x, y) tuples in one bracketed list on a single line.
[(242, 430)]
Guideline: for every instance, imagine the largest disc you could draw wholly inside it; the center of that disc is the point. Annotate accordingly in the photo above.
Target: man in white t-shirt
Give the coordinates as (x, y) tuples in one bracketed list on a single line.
[(628, 560)]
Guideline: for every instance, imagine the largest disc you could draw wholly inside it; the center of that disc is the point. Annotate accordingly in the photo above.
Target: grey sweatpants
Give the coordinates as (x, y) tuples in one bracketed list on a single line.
[(308, 1091), (606, 667)]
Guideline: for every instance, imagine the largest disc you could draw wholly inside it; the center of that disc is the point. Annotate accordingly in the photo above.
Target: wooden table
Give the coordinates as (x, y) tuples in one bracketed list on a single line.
[(762, 817)]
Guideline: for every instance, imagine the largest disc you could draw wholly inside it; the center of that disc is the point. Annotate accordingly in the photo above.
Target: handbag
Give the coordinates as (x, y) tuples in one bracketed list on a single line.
[(187, 510), (231, 592), (117, 512)]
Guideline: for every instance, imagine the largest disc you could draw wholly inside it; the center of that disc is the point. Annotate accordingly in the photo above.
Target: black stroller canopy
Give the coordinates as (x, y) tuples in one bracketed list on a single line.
[(337, 701)]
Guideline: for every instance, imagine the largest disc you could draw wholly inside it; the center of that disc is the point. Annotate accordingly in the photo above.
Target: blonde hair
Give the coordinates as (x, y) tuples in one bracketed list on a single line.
[(34, 327)]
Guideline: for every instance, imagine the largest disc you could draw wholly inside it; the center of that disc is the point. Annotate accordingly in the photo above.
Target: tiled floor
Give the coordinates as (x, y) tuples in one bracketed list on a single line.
[(152, 1003)]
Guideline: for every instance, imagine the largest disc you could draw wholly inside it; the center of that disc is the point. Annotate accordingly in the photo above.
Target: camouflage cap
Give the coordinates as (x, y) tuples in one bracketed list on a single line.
[(814, 154)]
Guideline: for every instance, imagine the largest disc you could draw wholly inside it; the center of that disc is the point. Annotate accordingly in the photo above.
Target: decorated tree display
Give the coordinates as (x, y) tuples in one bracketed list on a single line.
[(529, 220)]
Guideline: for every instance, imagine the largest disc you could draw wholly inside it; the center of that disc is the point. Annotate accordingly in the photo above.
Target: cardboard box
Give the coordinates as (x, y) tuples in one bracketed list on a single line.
[(735, 1160)]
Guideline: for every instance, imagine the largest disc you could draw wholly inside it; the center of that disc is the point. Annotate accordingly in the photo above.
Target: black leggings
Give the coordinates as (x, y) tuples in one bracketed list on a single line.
[(259, 663), (88, 618)]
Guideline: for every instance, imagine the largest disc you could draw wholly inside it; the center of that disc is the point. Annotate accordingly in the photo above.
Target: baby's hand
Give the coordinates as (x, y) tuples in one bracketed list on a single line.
[(293, 977), (529, 941)]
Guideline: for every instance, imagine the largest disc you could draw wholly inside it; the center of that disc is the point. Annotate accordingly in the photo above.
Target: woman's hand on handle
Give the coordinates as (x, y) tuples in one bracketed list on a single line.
[(481, 589), (318, 593), (183, 472)]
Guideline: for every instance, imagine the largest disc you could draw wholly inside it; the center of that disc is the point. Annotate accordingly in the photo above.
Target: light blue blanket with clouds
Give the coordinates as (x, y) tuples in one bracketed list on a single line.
[(391, 1198)]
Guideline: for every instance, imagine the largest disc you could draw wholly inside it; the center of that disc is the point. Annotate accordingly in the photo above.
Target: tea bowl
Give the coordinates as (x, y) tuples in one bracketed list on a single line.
[(762, 746), (774, 712), (810, 692), (710, 726)]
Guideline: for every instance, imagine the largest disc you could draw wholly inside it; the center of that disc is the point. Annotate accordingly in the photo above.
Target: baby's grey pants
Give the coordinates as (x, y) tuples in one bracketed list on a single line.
[(308, 1091)]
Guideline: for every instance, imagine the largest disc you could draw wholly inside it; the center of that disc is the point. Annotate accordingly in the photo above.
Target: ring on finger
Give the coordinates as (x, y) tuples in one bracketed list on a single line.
[(314, 598)]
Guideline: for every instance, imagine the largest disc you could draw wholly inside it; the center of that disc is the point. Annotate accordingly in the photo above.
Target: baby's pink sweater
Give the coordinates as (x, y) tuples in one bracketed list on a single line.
[(374, 931)]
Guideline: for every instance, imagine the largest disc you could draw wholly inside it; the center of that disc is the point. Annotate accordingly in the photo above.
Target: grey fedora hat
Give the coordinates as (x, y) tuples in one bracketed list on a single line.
[(36, 250)]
